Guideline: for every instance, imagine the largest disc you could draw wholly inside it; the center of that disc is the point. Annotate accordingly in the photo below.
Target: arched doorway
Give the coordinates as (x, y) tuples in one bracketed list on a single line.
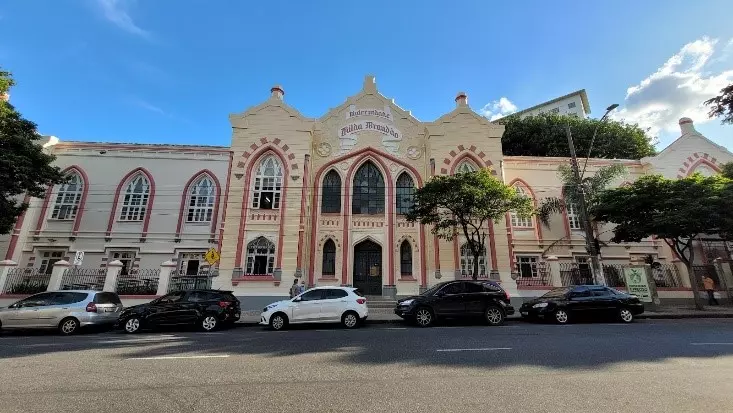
[(368, 267)]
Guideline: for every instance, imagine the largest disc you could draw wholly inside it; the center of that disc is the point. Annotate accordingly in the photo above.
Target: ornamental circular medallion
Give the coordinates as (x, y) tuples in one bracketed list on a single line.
[(344, 165), (393, 167), (413, 152), (324, 149)]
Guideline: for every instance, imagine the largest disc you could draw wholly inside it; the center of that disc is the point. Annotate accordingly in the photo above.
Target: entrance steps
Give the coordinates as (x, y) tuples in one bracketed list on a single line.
[(378, 302)]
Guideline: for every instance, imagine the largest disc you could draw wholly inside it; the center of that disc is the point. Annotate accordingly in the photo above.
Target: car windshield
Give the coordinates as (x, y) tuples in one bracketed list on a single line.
[(556, 293)]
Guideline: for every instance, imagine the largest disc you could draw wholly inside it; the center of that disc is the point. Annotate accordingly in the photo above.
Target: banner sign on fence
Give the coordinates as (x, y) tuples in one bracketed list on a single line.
[(79, 258), (637, 283)]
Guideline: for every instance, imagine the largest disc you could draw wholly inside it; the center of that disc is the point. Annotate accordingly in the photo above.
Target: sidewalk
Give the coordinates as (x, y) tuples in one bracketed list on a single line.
[(382, 316)]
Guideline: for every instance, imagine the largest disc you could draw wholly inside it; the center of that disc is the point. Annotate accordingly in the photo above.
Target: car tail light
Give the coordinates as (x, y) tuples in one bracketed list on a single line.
[(361, 300), (91, 308), (224, 304), (506, 293)]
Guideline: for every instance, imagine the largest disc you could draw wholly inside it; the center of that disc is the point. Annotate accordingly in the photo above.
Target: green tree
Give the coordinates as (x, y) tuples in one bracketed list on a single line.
[(593, 186), (722, 105), (727, 170), (466, 203), (24, 167), (544, 135), (676, 210)]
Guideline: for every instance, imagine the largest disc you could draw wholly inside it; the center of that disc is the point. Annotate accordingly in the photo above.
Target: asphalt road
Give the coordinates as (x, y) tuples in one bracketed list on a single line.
[(649, 366)]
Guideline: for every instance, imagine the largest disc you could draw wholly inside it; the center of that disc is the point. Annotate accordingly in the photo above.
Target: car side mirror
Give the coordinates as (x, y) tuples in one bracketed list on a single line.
[(16, 305)]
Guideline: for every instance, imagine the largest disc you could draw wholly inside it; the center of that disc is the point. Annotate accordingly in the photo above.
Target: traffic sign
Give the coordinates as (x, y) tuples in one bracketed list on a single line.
[(79, 258), (212, 256)]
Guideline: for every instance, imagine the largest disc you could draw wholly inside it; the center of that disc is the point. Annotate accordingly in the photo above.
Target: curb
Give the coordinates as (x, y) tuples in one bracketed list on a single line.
[(519, 319)]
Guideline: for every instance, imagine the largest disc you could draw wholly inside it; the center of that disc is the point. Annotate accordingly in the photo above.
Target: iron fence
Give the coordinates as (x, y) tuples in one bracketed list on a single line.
[(537, 276), (573, 274), (614, 275), (139, 282), (190, 282), (26, 281), (83, 279), (666, 275)]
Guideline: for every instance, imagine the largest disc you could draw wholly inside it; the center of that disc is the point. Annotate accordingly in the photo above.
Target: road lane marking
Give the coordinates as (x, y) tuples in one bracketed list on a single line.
[(213, 356), (396, 328), (452, 350), (711, 344)]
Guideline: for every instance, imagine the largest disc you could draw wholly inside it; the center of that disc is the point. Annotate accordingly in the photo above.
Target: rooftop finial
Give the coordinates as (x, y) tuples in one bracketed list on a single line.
[(370, 84), (461, 99), (686, 126), (277, 92)]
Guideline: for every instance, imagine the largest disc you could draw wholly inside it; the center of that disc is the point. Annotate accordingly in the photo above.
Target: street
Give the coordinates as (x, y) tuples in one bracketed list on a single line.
[(654, 366)]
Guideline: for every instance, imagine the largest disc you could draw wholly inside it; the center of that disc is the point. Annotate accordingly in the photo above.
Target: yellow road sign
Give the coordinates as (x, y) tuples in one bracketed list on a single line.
[(211, 256)]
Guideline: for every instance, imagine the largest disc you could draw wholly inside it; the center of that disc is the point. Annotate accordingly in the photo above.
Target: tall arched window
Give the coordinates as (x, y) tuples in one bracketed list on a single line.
[(331, 193), (467, 261), (260, 256), (406, 259), (268, 184), (573, 215), (368, 190), (465, 167), (329, 258), (405, 193), (68, 197), (201, 198), (135, 203), (519, 221)]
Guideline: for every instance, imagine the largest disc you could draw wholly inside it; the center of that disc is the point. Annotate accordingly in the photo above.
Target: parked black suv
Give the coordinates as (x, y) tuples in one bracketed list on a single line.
[(207, 309), (457, 299)]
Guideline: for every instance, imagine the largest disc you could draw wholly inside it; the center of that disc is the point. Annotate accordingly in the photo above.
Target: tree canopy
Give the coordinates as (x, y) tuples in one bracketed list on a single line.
[(544, 135), (465, 203), (676, 210), (592, 184), (722, 105), (727, 170), (24, 167)]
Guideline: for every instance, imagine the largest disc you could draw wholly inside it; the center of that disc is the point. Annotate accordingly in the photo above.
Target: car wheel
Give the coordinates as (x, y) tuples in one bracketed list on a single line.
[(562, 316), (132, 325), (278, 321), (209, 322), (494, 316), (350, 319), (424, 317), (69, 326), (625, 315)]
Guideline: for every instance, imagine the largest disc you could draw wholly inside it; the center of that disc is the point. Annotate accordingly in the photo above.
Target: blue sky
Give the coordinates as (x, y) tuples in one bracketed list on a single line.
[(170, 71)]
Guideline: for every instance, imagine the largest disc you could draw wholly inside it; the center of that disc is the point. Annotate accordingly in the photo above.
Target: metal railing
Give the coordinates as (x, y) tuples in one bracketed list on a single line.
[(614, 275), (139, 282), (83, 279), (666, 275), (572, 274), (26, 281), (190, 282), (541, 276)]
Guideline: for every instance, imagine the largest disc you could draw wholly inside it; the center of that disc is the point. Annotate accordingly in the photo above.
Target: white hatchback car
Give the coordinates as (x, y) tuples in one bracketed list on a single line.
[(343, 305)]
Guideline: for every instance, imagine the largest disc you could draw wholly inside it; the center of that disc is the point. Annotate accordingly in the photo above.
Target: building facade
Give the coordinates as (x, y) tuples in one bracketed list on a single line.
[(320, 199)]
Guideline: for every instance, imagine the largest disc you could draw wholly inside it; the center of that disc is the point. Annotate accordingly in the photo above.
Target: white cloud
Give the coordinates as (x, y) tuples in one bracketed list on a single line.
[(116, 11), (677, 89), (498, 109)]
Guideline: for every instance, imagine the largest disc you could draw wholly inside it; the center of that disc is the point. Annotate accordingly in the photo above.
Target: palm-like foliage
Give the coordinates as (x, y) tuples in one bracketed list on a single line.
[(592, 186)]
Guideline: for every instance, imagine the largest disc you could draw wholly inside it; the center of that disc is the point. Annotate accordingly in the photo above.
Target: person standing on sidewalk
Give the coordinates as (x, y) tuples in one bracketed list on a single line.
[(709, 285), (294, 288)]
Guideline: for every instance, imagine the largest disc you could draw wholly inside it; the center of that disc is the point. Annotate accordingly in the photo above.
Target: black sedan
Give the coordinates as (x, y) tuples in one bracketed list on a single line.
[(457, 299), (562, 305), (207, 309)]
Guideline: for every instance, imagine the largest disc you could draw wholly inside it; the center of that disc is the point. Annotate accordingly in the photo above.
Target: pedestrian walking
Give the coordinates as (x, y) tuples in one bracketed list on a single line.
[(294, 288), (709, 285)]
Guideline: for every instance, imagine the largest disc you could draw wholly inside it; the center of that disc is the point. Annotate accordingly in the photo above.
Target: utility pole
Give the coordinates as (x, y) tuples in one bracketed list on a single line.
[(590, 244)]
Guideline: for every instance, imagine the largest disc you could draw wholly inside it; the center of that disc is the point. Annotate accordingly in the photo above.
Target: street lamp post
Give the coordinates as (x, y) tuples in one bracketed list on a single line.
[(590, 244)]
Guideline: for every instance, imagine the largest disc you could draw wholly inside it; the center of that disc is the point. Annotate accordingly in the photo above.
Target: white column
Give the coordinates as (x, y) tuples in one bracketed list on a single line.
[(57, 275), (166, 270), (554, 264), (682, 270), (5, 267), (114, 269)]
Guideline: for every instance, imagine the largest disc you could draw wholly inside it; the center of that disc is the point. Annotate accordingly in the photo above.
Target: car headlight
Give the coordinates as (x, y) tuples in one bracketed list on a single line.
[(407, 302), (540, 305), (269, 307)]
